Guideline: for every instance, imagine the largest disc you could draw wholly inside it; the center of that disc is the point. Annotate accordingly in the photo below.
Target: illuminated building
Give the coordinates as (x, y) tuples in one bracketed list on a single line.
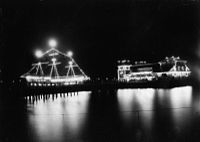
[(55, 68), (143, 71)]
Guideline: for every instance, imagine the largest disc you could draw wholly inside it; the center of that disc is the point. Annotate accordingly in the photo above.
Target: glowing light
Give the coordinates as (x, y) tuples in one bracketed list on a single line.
[(38, 53), (53, 59), (38, 78), (70, 53), (70, 63), (61, 79), (52, 43)]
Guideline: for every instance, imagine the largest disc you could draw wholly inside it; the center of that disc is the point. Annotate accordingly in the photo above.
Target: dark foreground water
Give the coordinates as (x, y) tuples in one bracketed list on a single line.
[(141, 115)]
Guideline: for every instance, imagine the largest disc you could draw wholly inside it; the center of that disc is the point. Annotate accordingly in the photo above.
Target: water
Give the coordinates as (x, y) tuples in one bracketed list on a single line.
[(121, 115)]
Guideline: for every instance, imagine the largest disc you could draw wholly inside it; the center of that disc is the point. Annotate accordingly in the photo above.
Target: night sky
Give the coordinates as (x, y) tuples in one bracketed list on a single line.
[(99, 32)]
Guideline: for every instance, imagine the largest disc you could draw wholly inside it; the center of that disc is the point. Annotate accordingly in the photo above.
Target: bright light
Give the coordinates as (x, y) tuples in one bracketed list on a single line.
[(52, 43), (70, 63), (53, 59), (70, 53), (38, 53)]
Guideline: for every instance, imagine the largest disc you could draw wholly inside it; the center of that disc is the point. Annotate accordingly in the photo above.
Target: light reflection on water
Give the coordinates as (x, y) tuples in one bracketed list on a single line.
[(145, 102), (54, 118), (135, 99), (180, 97), (65, 117)]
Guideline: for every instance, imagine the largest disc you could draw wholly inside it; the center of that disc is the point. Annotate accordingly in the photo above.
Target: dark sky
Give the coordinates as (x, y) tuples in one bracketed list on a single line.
[(99, 32)]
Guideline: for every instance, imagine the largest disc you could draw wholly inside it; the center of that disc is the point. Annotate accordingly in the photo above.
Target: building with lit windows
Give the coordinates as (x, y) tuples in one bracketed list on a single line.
[(171, 67)]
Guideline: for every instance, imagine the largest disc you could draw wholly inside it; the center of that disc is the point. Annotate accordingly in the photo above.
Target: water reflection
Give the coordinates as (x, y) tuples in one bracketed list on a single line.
[(148, 105), (180, 97), (144, 99), (52, 119), (133, 101), (110, 115)]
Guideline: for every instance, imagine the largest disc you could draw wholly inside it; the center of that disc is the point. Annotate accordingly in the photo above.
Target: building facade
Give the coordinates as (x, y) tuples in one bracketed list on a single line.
[(143, 71)]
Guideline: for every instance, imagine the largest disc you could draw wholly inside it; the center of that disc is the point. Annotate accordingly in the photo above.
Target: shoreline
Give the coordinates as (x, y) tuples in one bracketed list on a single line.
[(23, 88)]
